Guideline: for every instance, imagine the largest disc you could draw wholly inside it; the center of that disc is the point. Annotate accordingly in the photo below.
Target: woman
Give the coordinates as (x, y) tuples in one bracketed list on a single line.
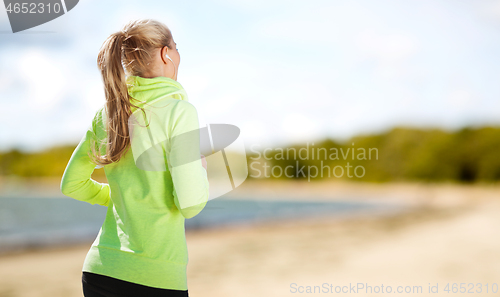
[(153, 187)]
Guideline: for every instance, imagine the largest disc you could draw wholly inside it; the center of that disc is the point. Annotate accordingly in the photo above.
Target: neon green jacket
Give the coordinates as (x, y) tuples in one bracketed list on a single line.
[(142, 239)]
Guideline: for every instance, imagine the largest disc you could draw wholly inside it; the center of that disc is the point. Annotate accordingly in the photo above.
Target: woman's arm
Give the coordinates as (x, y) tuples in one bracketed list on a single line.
[(76, 180), (189, 176)]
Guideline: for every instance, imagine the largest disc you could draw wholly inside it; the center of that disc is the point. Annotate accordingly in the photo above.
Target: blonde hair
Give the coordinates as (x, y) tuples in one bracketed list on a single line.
[(129, 51)]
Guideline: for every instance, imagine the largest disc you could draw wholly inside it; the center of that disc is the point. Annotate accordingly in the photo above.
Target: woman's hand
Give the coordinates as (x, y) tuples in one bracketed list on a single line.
[(204, 162)]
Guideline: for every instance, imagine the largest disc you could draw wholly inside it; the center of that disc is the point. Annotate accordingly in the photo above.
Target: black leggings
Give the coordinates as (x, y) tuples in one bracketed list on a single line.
[(98, 285)]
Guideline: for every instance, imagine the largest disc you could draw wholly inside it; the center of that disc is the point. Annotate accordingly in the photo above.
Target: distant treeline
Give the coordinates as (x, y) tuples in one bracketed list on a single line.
[(401, 154)]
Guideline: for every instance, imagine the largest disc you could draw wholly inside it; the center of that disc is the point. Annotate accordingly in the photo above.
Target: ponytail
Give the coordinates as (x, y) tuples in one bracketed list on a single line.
[(135, 46)]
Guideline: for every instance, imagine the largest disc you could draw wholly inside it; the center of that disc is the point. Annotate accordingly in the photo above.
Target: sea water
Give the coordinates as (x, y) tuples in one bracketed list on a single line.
[(27, 222)]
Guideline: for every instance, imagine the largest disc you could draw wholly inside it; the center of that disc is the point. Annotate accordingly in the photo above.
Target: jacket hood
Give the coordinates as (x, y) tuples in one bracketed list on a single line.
[(149, 89)]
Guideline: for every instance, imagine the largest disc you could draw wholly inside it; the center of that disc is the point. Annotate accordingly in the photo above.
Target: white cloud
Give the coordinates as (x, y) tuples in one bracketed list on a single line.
[(94, 96), (300, 127), (460, 98), (256, 131), (387, 46), (490, 9), (43, 78)]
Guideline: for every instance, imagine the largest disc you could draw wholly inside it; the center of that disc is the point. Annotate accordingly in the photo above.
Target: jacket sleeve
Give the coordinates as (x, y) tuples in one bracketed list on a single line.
[(189, 177), (76, 180)]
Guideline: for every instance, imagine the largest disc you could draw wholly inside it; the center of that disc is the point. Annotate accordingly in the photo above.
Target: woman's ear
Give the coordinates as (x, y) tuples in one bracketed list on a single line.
[(163, 52)]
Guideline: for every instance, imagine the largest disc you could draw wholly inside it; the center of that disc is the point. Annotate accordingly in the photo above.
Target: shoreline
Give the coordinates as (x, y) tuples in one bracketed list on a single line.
[(417, 193), (250, 260), (450, 235)]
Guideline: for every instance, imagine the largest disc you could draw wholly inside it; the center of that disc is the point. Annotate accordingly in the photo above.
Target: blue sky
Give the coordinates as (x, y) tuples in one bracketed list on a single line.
[(282, 71)]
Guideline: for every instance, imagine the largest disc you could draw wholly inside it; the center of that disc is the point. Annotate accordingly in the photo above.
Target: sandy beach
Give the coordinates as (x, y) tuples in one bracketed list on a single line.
[(451, 236)]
